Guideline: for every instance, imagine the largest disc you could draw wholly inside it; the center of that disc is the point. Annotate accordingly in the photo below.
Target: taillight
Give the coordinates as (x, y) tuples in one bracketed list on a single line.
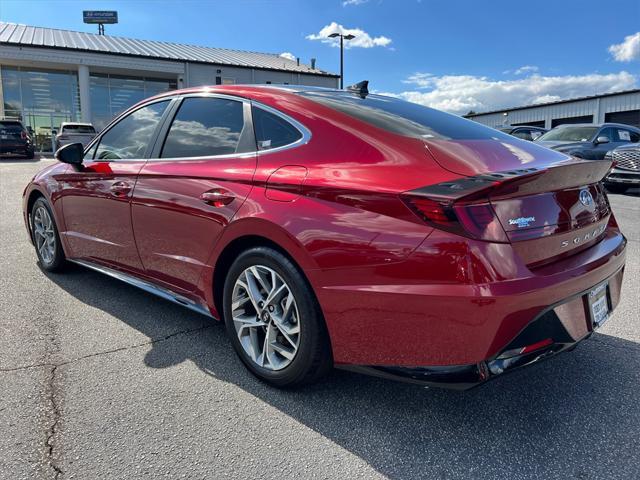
[(472, 220), (23, 135), (526, 349), (462, 206)]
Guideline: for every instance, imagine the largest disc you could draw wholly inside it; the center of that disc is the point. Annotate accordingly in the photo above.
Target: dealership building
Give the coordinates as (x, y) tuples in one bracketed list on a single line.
[(617, 107), (49, 76)]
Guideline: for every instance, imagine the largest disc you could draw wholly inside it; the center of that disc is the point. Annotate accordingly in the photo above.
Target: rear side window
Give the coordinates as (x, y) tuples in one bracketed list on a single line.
[(273, 131), (129, 138), (405, 118), (11, 127), (78, 129), (205, 126), (523, 134), (627, 136)]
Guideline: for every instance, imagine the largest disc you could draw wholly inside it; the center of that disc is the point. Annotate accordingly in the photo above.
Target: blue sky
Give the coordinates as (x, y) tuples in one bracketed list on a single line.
[(454, 55)]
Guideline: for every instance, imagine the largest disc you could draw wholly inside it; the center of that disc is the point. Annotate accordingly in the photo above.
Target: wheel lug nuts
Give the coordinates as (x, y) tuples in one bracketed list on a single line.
[(271, 308)]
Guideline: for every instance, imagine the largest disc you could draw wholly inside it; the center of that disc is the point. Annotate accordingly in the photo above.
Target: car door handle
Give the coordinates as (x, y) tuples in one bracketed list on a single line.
[(121, 189), (218, 197)]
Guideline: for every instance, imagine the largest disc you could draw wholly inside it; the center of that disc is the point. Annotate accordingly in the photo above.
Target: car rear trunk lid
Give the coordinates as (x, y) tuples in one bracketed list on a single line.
[(547, 210)]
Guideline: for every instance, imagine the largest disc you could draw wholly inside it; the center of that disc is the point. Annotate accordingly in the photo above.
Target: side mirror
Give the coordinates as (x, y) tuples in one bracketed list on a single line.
[(602, 139), (73, 153)]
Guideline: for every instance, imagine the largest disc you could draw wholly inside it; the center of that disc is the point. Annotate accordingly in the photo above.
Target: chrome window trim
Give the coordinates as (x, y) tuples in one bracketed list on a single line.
[(303, 140), (306, 133)]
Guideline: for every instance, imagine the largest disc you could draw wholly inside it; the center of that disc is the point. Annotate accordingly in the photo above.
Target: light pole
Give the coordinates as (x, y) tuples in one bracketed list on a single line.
[(342, 39)]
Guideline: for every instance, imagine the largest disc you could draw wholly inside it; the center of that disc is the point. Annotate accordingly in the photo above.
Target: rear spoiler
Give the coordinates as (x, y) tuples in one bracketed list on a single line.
[(528, 181)]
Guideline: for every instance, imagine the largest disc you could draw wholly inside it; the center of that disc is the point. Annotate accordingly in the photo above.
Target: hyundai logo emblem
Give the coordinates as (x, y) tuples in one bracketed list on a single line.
[(585, 198)]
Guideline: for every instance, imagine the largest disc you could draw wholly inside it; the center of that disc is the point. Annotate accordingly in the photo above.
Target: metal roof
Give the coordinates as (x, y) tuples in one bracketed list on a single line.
[(25, 35), (555, 102)]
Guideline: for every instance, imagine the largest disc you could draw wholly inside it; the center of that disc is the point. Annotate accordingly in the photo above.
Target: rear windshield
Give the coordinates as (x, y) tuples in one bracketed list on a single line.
[(78, 129), (405, 118), (11, 127), (569, 134)]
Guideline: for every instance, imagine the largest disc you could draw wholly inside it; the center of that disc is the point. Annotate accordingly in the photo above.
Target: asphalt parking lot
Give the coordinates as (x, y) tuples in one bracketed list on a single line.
[(100, 380)]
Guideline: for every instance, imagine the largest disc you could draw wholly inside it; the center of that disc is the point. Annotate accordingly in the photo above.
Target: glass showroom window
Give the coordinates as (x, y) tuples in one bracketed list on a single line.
[(112, 94), (40, 91), (41, 99)]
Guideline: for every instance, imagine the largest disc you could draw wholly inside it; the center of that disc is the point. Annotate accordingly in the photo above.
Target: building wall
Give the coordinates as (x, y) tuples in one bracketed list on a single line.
[(201, 74), (597, 107), (102, 85)]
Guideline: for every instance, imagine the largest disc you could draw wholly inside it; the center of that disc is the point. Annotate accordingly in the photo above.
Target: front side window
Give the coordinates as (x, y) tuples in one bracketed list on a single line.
[(273, 131), (129, 138), (205, 126), (89, 154), (610, 133)]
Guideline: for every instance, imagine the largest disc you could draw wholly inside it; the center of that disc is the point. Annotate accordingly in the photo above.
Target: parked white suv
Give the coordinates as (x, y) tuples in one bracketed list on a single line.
[(73, 132)]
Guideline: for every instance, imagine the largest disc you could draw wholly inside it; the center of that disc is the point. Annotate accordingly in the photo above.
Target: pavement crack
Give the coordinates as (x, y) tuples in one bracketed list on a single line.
[(26, 367), (106, 352), (138, 345), (52, 430)]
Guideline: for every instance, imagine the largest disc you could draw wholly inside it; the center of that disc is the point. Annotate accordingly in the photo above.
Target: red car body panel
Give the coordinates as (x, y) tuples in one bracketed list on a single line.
[(394, 290), (174, 227), (97, 212)]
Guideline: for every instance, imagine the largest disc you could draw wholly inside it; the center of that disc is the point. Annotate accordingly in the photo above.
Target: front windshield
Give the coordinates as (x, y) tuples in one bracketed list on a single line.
[(569, 134)]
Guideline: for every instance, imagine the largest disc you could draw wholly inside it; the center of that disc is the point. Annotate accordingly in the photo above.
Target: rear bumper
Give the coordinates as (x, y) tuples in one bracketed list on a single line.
[(567, 324), (621, 176), (16, 149), (405, 315)]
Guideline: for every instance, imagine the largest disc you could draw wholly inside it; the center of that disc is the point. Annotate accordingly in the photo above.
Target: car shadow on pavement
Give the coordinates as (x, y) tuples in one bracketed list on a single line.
[(575, 416)]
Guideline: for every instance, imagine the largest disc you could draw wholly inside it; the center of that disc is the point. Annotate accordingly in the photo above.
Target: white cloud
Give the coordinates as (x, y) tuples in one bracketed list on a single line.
[(363, 39), (288, 56), (628, 50), (353, 2), (526, 69), (461, 93)]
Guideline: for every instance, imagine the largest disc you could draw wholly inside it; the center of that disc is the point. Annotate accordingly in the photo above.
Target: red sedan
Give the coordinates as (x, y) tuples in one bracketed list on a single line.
[(330, 227)]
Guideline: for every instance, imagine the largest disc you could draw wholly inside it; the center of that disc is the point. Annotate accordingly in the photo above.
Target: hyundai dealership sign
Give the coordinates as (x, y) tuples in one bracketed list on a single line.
[(100, 16)]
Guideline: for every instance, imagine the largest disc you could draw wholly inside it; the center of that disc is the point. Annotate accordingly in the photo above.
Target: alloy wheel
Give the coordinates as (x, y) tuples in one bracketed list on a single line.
[(265, 317), (44, 234)]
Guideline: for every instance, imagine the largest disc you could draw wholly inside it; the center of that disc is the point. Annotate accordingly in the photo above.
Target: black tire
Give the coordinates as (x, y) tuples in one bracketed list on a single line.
[(58, 260), (30, 155), (313, 357), (616, 188)]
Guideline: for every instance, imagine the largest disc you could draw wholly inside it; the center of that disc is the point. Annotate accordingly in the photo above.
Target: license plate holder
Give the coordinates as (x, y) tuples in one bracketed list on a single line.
[(599, 304)]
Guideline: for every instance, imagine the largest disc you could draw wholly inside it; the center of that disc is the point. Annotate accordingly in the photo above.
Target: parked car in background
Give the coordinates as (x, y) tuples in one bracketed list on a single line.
[(73, 132), (336, 227), (525, 132), (15, 139), (587, 140), (626, 171)]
